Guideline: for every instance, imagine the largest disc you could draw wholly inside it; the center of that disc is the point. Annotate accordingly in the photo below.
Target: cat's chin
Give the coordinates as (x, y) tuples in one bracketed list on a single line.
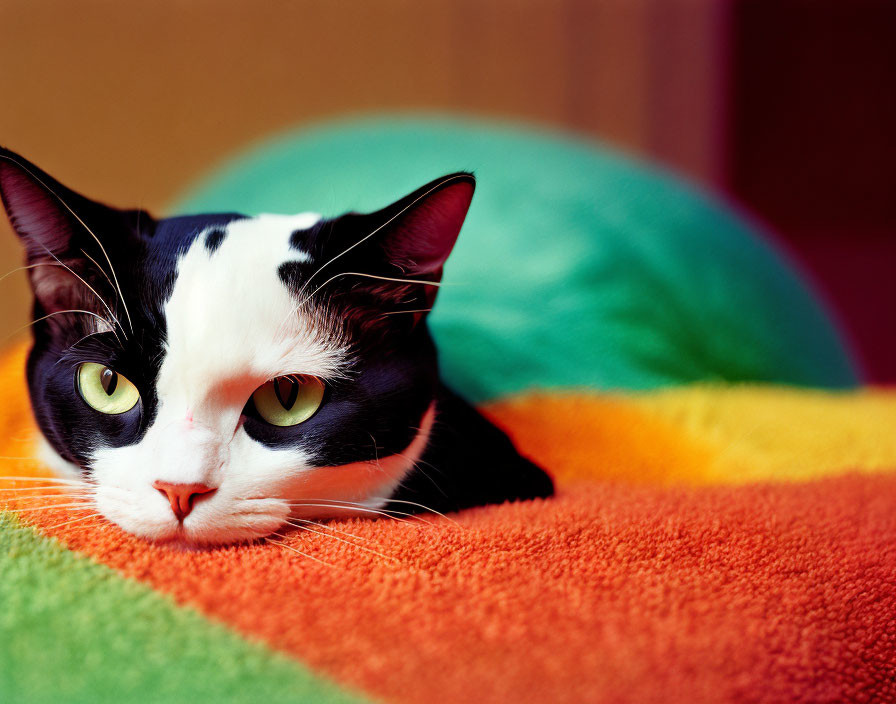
[(184, 543), (186, 540)]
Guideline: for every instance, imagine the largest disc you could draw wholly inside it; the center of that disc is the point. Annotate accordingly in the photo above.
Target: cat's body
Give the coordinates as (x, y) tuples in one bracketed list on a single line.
[(162, 349)]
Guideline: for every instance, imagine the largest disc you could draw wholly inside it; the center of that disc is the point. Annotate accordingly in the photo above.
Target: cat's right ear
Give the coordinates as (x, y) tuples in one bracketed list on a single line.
[(40, 209), (58, 229), (418, 232)]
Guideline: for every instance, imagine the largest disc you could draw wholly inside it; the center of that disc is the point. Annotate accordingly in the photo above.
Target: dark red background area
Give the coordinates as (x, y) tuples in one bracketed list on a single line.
[(812, 150)]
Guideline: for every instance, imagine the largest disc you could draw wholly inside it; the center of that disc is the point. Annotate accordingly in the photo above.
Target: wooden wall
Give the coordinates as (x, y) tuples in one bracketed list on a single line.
[(129, 101)]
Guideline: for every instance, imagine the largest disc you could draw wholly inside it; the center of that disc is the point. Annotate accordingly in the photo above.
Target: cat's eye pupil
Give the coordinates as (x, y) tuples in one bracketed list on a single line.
[(286, 389), (109, 380), (288, 400)]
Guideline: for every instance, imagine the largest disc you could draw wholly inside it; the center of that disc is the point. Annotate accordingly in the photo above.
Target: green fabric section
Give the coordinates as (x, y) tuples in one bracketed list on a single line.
[(74, 631), (576, 267)]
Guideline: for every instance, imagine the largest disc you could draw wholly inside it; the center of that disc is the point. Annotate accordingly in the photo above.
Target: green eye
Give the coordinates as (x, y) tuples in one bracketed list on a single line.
[(105, 389), (288, 400)]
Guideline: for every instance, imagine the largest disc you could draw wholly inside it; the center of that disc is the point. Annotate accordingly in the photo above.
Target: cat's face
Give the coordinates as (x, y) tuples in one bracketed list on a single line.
[(213, 376)]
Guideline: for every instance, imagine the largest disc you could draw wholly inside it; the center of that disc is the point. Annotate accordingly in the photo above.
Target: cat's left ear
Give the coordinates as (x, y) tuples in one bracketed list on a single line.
[(418, 232)]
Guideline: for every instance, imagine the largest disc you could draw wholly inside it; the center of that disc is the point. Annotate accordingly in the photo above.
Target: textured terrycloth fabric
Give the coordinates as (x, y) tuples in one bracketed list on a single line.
[(577, 267), (74, 631), (655, 575)]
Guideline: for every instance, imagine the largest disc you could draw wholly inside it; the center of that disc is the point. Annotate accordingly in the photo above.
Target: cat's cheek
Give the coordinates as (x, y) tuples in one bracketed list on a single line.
[(358, 488), (237, 521), (125, 496), (133, 515), (47, 455)]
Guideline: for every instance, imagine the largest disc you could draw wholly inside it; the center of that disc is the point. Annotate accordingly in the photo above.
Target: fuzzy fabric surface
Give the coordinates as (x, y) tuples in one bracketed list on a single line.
[(706, 544)]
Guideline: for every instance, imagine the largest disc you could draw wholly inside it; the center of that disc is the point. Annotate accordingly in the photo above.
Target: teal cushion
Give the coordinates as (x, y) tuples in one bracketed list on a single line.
[(577, 267)]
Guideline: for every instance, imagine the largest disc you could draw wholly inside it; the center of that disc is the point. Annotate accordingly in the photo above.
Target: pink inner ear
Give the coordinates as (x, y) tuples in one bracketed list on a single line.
[(36, 215), (427, 232)]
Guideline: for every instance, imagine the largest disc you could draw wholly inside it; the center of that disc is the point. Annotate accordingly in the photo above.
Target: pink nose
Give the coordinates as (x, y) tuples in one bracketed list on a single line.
[(182, 496)]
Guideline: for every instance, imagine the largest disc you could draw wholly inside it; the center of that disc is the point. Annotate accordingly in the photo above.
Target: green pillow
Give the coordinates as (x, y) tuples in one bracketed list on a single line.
[(577, 267)]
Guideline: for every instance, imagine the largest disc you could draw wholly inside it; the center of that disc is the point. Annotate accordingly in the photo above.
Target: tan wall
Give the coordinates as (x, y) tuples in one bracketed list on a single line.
[(129, 101)]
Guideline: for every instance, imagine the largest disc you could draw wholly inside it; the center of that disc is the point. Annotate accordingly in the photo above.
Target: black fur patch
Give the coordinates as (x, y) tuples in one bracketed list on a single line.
[(213, 239), (297, 239), (293, 275), (468, 462)]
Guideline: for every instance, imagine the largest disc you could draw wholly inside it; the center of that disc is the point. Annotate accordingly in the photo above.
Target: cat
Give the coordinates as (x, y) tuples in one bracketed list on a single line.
[(210, 377)]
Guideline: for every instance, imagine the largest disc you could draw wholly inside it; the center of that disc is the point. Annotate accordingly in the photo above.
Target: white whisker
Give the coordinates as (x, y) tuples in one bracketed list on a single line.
[(62, 312), (346, 505), (93, 291), (303, 554), (9, 495), (38, 487), (74, 520), (54, 480), (425, 508), (336, 530), (81, 504), (366, 276), (416, 465), (416, 310), (26, 267), (342, 540), (101, 270)]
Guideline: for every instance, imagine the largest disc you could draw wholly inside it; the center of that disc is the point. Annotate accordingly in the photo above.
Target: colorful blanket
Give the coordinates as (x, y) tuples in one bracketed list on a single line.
[(706, 544)]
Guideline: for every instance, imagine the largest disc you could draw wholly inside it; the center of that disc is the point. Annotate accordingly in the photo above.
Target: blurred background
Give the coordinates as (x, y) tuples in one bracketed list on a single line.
[(785, 107)]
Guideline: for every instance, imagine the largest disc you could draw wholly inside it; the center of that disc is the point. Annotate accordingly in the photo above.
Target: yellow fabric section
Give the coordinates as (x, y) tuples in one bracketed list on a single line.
[(704, 435), (758, 433), (588, 436)]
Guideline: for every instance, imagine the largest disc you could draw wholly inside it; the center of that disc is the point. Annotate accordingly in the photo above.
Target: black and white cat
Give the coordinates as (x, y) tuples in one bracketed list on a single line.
[(211, 376)]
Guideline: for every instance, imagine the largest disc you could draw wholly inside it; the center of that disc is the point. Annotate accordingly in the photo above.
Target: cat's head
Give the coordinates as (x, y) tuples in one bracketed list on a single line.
[(212, 376)]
